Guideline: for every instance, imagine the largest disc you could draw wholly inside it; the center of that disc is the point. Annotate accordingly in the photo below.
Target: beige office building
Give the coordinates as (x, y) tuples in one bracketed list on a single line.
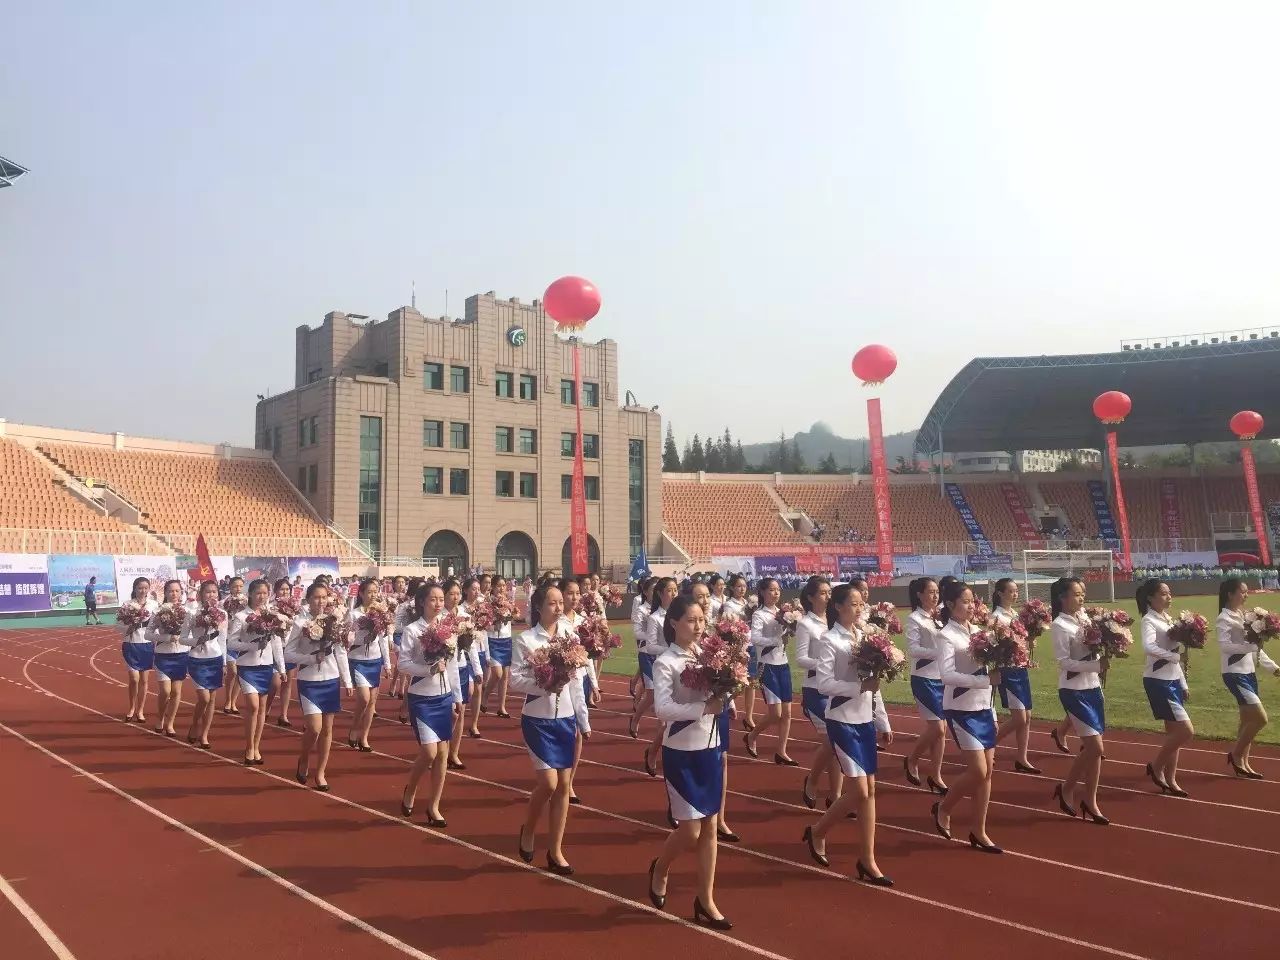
[(453, 439)]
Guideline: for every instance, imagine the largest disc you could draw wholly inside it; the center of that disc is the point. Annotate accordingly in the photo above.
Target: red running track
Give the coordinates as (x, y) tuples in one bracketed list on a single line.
[(265, 863)]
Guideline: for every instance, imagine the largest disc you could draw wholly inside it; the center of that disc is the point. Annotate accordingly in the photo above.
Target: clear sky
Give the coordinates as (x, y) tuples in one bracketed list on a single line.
[(757, 188)]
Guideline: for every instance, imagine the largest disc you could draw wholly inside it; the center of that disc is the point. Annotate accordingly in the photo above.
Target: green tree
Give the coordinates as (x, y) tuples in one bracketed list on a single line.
[(670, 455), (696, 459), (828, 464), (713, 453), (739, 458)]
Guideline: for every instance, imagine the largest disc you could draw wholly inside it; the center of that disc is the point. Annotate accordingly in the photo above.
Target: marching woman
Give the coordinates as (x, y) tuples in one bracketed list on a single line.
[(1164, 682), (716, 588), (640, 607), (368, 655), (809, 632), (738, 606), (232, 603), (1238, 653), (139, 650), (406, 613), (691, 760), (966, 706), (855, 720), (472, 592), (284, 602), (1015, 684), (926, 685), (435, 703), (652, 646), (316, 644), (468, 659), (550, 722), (171, 656), (702, 596), (572, 591), (205, 633), (499, 653), (775, 672), (259, 661), (1080, 690)]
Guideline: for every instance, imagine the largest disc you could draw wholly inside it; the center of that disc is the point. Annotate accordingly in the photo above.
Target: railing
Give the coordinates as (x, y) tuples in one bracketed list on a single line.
[(1231, 522), (122, 542)]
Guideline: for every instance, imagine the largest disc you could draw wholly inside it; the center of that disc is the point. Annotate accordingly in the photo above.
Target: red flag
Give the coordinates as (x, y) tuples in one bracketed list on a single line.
[(203, 570), (577, 487), (880, 488), (1122, 512)]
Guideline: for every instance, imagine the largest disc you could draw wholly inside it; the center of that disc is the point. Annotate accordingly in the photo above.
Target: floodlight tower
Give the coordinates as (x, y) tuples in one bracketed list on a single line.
[(10, 172)]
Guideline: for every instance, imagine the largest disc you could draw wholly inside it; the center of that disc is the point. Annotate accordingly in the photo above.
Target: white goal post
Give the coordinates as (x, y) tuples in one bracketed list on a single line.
[(1097, 568)]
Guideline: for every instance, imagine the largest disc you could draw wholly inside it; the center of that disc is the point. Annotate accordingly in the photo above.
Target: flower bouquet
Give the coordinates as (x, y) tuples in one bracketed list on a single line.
[(326, 633), (1106, 633), (170, 618), (720, 665), (234, 604), (789, 614), (265, 624), (884, 616), (377, 618), (133, 616), (556, 663), (1189, 629), (981, 613), (589, 605), (1261, 625), (465, 628), (596, 638), (876, 658), (613, 597), (210, 618), (1035, 618), (504, 611), (440, 642), (483, 615), (289, 607), (1001, 645)]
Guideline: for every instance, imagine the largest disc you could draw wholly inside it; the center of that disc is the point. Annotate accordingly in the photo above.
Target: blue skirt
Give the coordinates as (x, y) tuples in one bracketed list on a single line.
[(464, 681), (431, 717), (139, 657), (928, 694), (256, 679), (814, 705), (319, 696), (173, 665), (972, 729), (722, 722), (645, 662), (1086, 709), (855, 747), (587, 687), (366, 673), (550, 741), (484, 660), (1166, 698), (1244, 687), (500, 651), (753, 662), (695, 781), (775, 681), (1015, 689), (206, 673)]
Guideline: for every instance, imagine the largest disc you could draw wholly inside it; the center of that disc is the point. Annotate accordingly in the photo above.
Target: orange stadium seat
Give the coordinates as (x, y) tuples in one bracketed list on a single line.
[(698, 515)]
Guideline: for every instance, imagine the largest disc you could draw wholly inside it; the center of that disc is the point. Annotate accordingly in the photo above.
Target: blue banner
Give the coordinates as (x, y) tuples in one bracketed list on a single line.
[(1102, 513), (857, 566), (961, 503), (775, 566), (989, 563)]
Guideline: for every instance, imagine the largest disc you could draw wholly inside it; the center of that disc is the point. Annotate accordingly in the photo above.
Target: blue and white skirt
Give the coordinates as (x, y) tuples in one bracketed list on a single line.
[(645, 661), (500, 651), (587, 687), (319, 696), (1086, 709), (775, 681), (206, 673), (1015, 689), (753, 662), (173, 665), (814, 705), (1166, 698), (366, 673), (431, 717), (464, 680), (550, 741), (695, 781), (722, 722), (928, 694), (484, 661), (855, 747), (138, 657), (256, 679), (1244, 687), (972, 729)]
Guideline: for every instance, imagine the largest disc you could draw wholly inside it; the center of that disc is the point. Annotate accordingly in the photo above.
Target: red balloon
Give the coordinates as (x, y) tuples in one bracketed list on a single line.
[(1112, 406), (571, 302), (874, 364), (1246, 424)]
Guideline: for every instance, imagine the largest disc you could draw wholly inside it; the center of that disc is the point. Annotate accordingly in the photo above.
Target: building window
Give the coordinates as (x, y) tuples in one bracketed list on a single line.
[(590, 487), (635, 496), (528, 386), (502, 386), (502, 439), (591, 394), (459, 481), (504, 483), (566, 486), (432, 376), (460, 379), (313, 375), (432, 433), (528, 440), (529, 486), (313, 478), (566, 392), (591, 446), (370, 521), (275, 441), (308, 431), (460, 436), (431, 479), (566, 444), (302, 479)]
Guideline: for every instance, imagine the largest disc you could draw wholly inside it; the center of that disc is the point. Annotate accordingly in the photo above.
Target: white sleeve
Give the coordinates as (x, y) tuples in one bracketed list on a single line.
[(803, 634), (949, 673), (344, 668), (1226, 631), (758, 621), (277, 654), (455, 681), (1151, 643), (579, 701), (921, 643), (829, 684), (521, 677), (1266, 662), (185, 637), (1062, 653), (881, 715), (410, 663), (665, 706)]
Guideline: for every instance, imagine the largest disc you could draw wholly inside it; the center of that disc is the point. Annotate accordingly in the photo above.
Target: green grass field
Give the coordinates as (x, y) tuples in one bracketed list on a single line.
[(1213, 710)]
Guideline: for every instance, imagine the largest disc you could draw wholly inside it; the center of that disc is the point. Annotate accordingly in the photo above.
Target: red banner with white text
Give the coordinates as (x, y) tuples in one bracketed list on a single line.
[(577, 490), (1122, 513), (1170, 509), (1018, 510), (1255, 503), (880, 488)]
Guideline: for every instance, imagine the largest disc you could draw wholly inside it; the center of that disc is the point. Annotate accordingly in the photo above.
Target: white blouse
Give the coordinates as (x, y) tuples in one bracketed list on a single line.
[(922, 645), (429, 682), (299, 648), (682, 711), (205, 644), (809, 632), (538, 703), (142, 634), (1163, 656), (165, 642), (966, 685), (766, 636), (734, 608), (1078, 667), (838, 679), (1236, 651), (253, 649), (365, 645), (652, 641)]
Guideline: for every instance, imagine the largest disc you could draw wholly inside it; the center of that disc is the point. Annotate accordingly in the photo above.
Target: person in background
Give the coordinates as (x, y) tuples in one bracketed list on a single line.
[(139, 653), (1164, 683), (1080, 674), (91, 602), (1015, 684), (1238, 654)]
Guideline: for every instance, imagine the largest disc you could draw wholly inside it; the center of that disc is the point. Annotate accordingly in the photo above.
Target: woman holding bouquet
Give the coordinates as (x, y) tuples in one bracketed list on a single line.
[(317, 644), (205, 634), (652, 646), (1238, 649), (1164, 683), (369, 653), (434, 697), (232, 603), (406, 613), (283, 601), (702, 596), (639, 610), (1080, 690), (499, 649), (737, 605), (468, 660), (573, 593), (926, 685), (554, 711), (809, 633), (966, 705), (473, 597), (715, 586), (770, 645), (136, 646), (855, 720), (171, 656), (254, 639), (1015, 683), (692, 761)]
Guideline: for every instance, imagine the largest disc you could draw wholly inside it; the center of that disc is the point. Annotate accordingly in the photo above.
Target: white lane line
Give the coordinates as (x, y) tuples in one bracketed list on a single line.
[(55, 945)]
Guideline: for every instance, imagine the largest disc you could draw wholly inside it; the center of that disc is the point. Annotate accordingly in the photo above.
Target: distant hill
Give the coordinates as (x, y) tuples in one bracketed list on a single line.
[(819, 440)]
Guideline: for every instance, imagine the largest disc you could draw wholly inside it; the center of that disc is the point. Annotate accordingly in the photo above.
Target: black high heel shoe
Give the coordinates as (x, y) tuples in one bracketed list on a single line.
[(559, 869), (751, 751), (671, 820), (525, 855), (455, 764), (438, 822), (658, 900), (1062, 747), (351, 742), (1156, 780), (935, 787), (1021, 767), (748, 725), (866, 876), (983, 847), (633, 729), (1093, 816), (1062, 802), (1240, 771), (300, 775), (1175, 791), (321, 788), (650, 770), (364, 748), (809, 799), (782, 761), (406, 809), (819, 858), (943, 832), (727, 836), (912, 778), (704, 919)]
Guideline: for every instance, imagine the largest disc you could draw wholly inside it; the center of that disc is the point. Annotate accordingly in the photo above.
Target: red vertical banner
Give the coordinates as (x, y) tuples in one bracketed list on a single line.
[(1255, 502), (578, 493), (1122, 513), (880, 488)]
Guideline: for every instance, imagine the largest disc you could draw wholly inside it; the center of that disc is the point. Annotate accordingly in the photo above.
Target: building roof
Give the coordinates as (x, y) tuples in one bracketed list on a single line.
[(1180, 395)]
